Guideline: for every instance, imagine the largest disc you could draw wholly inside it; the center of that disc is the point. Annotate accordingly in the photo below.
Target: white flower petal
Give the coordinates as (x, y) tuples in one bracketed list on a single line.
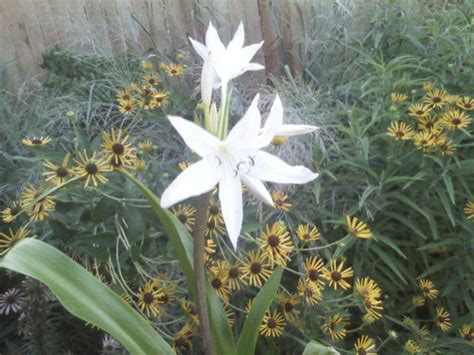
[(230, 196), (212, 38), (207, 80), (271, 168), (238, 41), (254, 66), (247, 53), (245, 132), (273, 123), (295, 129), (193, 181), (257, 188), (195, 137), (200, 48)]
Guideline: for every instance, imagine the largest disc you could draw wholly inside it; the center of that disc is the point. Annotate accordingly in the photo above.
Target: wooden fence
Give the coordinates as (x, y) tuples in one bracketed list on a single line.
[(28, 27)]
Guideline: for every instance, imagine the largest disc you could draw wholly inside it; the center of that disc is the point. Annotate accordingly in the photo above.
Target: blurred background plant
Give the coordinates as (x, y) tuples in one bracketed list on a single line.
[(411, 237)]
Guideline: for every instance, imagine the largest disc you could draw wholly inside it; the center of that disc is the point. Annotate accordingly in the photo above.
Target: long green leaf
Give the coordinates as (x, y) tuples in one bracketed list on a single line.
[(84, 295), (183, 245), (249, 335)]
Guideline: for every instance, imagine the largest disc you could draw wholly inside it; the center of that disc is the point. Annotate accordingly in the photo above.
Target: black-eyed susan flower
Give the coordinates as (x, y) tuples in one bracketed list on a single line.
[(8, 241), (357, 228), (306, 233), (209, 246), (127, 107), (400, 131), (309, 292), (92, 168), (10, 213), (315, 271), (374, 307), (146, 99), (428, 288), (11, 301), (235, 276), (148, 299), (280, 200), (182, 339), (36, 142), (161, 98), (152, 79), (165, 294), (465, 103), (117, 150), (288, 303), (124, 94), (214, 228), (230, 314), (418, 301), (436, 98), (273, 324), (425, 141), (127, 298), (428, 123), (37, 209), (173, 69), (443, 319), (466, 332), (249, 304), (455, 119), (419, 110), (58, 174), (367, 288), (185, 214), (412, 347), (336, 275), (335, 327), (214, 211), (276, 244), (218, 279), (146, 145), (398, 98), (256, 269), (447, 148), (365, 346), (279, 140), (190, 310), (469, 210)]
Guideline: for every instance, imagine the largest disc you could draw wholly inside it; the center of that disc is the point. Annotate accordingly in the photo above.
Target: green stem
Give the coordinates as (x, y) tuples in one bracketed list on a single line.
[(200, 272)]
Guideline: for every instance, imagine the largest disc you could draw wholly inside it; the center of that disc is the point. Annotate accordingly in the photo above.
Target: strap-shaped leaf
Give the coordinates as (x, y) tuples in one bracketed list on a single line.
[(251, 330), (183, 245), (84, 295)]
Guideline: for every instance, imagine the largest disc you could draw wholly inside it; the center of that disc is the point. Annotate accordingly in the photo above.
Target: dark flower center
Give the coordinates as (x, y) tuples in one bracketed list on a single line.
[(10, 299), (118, 148), (182, 218), (399, 134), (436, 99), (174, 71), (255, 268), (211, 224), (468, 336), (306, 236), (92, 169), (36, 141), (164, 299), (420, 112), (273, 241), (313, 274), (272, 323), (126, 97), (151, 81), (233, 273), (336, 276), (180, 343), (148, 298), (368, 304), (361, 351), (216, 283), (288, 306), (426, 289), (455, 121), (213, 210), (61, 172), (14, 211), (159, 99)]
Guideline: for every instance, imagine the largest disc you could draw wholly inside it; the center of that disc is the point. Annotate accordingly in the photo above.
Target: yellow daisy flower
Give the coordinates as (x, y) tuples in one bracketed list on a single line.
[(146, 145), (279, 199), (443, 319), (428, 123), (148, 299), (400, 131), (309, 292), (466, 103), (358, 228), (335, 327), (467, 333), (365, 346), (124, 94), (437, 98), (398, 98), (173, 69), (92, 169), (305, 234), (9, 214), (273, 324), (219, 278), (36, 210), (58, 174), (412, 347), (428, 288), (214, 228), (288, 303), (185, 214), (336, 275), (276, 244), (455, 119), (235, 276), (256, 269), (469, 210), (373, 306), (419, 110), (182, 340), (367, 288), (214, 212), (118, 152), (152, 79), (425, 141), (127, 107), (447, 148), (36, 142), (315, 271), (8, 241)]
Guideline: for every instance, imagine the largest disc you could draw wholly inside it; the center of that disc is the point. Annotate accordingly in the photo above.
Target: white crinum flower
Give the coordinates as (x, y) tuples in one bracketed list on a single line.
[(228, 62), (237, 159)]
